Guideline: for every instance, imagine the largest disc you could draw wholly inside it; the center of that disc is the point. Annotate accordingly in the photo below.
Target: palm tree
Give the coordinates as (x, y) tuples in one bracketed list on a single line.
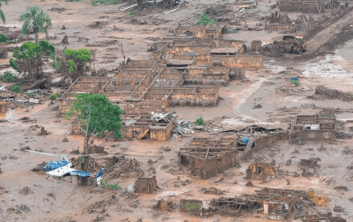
[(2, 15), (35, 19), (46, 24)]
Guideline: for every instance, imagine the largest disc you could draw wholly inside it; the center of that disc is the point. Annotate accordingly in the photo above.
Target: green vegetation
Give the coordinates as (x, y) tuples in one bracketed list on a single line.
[(107, 186), (296, 82), (31, 57), (16, 88), (54, 96), (205, 20), (2, 15), (35, 19), (131, 13), (8, 77), (77, 61), (200, 122), (3, 38), (83, 158), (56, 64), (31, 94), (104, 2), (95, 115)]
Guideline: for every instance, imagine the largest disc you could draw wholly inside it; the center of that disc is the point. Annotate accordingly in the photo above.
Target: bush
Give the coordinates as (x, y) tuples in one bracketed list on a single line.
[(56, 64), (54, 96), (296, 82), (30, 94), (13, 64), (16, 88), (8, 77), (200, 122), (107, 186), (3, 38), (205, 20), (104, 2)]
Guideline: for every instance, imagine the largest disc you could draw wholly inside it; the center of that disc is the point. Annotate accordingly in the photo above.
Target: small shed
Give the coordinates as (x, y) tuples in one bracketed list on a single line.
[(146, 185)]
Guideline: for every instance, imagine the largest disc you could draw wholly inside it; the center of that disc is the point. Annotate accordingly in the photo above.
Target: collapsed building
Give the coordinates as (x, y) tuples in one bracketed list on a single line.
[(146, 185), (206, 157), (305, 6), (201, 31), (260, 170), (315, 127), (321, 217), (277, 204), (186, 71)]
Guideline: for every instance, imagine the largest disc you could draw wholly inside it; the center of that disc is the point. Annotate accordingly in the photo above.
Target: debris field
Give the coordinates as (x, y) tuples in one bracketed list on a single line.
[(230, 111)]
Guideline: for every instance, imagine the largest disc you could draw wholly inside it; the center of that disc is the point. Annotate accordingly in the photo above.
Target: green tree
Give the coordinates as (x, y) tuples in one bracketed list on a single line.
[(2, 15), (46, 24), (95, 115), (205, 20), (77, 62), (35, 19), (30, 58)]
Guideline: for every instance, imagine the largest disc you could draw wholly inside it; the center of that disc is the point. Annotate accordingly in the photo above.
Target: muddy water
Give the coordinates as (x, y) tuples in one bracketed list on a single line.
[(346, 51)]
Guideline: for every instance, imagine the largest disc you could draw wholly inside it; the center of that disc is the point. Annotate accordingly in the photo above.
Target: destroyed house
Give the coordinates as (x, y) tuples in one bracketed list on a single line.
[(233, 206), (146, 127), (315, 127), (321, 218), (83, 84), (206, 157), (146, 185), (277, 203), (201, 31), (211, 52), (260, 170), (320, 6)]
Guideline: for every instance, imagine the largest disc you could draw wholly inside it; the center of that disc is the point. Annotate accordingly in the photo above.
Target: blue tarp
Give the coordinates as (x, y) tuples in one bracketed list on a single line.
[(245, 140), (294, 78)]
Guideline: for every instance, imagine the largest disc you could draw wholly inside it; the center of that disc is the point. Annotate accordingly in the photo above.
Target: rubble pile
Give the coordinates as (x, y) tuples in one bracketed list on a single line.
[(116, 166), (325, 92)]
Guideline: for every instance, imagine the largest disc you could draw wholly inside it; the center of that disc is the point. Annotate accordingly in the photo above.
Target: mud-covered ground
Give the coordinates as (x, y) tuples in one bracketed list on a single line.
[(27, 196)]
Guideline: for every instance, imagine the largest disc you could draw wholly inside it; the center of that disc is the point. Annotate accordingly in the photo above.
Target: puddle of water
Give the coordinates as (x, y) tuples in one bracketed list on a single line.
[(346, 51), (276, 69), (330, 67)]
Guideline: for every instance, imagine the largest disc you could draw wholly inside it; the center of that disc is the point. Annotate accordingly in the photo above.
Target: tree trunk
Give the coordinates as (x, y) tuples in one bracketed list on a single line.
[(46, 35), (85, 144), (36, 34)]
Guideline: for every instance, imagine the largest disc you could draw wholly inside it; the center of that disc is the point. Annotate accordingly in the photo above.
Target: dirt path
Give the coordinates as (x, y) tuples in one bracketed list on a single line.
[(329, 33)]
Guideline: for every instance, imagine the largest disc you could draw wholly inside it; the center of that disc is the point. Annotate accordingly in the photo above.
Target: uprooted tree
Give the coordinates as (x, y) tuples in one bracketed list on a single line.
[(30, 59), (95, 115)]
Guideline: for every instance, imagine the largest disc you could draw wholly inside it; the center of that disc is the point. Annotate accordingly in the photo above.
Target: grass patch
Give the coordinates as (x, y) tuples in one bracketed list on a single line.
[(200, 122), (31, 94), (107, 186), (16, 88), (8, 77), (3, 38), (205, 20), (54, 96), (104, 2)]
